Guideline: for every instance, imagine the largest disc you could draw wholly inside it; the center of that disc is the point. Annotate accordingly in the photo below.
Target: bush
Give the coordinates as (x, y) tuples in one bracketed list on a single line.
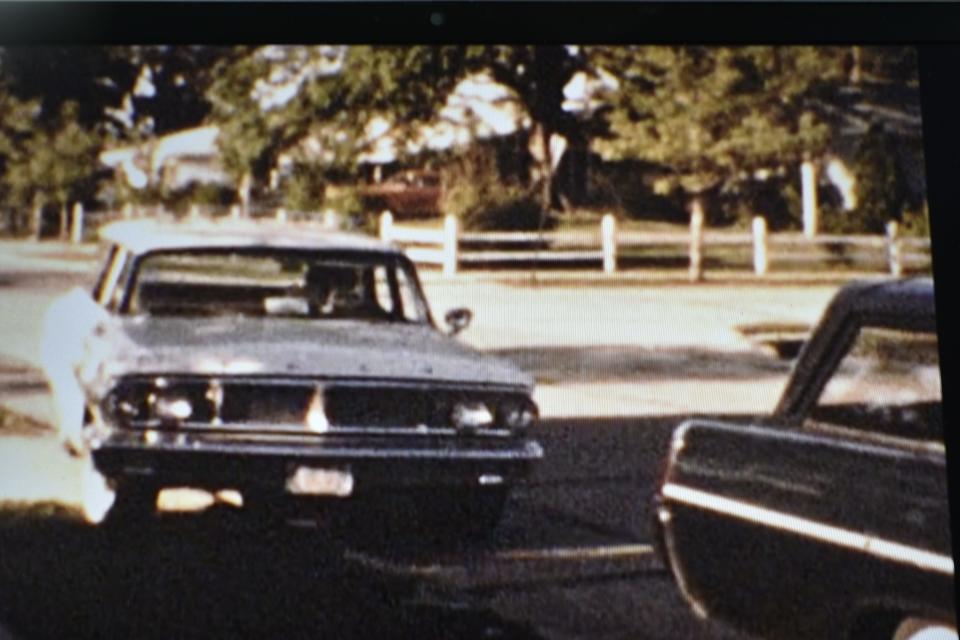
[(348, 203), (477, 194), (916, 222), (514, 210), (881, 185), (305, 188), (205, 195)]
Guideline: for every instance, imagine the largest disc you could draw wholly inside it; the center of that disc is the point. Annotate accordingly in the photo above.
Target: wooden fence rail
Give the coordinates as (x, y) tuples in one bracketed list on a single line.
[(607, 245)]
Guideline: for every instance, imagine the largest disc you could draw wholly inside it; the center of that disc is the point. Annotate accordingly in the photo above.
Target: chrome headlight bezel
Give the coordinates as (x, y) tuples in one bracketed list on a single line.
[(517, 414), (471, 415), (171, 408)]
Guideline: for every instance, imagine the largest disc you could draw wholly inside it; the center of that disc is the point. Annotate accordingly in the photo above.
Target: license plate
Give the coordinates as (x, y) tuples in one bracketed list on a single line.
[(320, 482)]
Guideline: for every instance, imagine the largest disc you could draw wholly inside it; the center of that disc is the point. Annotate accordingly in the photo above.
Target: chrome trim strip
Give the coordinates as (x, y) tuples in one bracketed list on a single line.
[(870, 545), (934, 453), (530, 451), (698, 608), (272, 428), (335, 382)]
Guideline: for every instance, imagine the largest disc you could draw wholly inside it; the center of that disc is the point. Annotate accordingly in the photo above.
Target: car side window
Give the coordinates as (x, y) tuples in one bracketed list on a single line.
[(122, 282), (889, 383), (410, 300), (104, 273), (381, 289), (107, 289)]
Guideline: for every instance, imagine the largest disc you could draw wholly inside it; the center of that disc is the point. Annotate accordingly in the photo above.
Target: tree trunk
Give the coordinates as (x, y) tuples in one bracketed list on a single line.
[(64, 221), (856, 70), (546, 172), (37, 219), (246, 184)]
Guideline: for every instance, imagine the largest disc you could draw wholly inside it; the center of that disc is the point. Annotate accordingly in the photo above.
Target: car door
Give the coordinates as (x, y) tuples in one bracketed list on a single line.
[(793, 530)]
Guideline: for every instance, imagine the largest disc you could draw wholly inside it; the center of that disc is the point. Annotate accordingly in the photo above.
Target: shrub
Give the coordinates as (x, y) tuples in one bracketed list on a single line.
[(476, 193), (916, 222), (205, 195), (513, 210), (305, 188)]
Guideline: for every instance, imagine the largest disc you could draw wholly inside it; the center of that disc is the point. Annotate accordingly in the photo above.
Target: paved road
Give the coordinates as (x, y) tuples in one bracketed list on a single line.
[(572, 559), (618, 366)]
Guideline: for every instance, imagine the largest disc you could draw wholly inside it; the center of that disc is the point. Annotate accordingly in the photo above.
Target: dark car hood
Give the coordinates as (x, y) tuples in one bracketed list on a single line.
[(298, 347)]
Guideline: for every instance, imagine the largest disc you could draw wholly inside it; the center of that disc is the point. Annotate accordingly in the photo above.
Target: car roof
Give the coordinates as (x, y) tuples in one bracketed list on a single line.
[(142, 236), (909, 298)]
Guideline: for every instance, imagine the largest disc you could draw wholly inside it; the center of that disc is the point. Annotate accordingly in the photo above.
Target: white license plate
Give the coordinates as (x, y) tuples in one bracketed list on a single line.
[(320, 482)]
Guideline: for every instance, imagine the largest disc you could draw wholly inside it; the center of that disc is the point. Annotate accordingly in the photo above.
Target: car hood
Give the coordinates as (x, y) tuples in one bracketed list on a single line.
[(298, 347)]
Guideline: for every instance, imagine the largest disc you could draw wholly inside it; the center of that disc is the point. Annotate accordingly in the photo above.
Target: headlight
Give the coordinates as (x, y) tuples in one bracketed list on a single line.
[(471, 415), (172, 408), (518, 415)]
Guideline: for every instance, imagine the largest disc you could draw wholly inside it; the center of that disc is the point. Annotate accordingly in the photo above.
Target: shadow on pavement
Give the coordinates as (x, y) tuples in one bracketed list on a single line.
[(213, 574), (630, 363)]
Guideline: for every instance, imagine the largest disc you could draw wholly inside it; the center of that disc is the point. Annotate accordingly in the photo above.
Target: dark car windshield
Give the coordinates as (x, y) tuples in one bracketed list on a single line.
[(307, 284)]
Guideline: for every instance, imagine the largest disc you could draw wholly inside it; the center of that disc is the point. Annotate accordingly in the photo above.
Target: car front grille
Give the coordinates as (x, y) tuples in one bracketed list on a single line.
[(271, 404)]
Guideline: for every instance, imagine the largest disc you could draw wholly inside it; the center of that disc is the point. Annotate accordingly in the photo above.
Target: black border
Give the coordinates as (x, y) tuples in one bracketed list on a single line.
[(424, 22), (935, 27)]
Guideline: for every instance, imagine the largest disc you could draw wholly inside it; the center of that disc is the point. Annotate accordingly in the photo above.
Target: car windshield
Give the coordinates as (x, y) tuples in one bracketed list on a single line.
[(304, 284)]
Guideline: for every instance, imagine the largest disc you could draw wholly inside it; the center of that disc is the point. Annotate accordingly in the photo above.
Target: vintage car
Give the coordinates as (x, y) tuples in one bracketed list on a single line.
[(408, 194), (829, 518), (280, 361)]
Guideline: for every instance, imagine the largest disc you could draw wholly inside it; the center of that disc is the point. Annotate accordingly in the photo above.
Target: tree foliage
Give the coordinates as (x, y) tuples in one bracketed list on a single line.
[(713, 115), (709, 119)]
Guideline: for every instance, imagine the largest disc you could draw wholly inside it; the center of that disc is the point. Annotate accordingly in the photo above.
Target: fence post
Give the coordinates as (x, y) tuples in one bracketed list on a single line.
[(330, 219), (195, 211), (76, 224), (760, 262), (450, 245), (894, 249), (696, 242), (386, 225), (235, 211), (608, 240), (281, 214), (808, 179), (128, 211)]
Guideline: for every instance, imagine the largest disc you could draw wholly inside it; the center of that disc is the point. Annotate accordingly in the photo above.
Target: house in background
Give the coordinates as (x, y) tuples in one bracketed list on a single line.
[(171, 162)]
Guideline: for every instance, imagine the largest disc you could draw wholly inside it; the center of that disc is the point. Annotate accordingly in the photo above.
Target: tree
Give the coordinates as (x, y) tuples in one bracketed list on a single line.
[(714, 116), (408, 86), (52, 165), (881, 191), (16, 127), (175, 84)]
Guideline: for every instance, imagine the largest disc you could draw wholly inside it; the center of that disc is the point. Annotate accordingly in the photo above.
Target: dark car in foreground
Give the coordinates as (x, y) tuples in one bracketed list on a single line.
[(289, 363), (829, 518)]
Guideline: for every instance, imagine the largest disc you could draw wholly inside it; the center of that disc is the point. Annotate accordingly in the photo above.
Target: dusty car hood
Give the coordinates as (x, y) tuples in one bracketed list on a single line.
[(298, 347)]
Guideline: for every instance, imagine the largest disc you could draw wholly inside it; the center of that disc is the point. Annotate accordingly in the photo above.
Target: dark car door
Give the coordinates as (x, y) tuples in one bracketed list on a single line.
[(840, 518)]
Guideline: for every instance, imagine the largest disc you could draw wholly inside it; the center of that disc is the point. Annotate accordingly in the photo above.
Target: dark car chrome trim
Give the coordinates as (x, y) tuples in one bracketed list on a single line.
[(664, 516), (823, 532), (931, 452)]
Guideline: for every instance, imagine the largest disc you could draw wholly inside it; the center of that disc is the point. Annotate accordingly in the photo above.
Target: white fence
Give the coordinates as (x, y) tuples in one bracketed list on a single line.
[(607, 245)]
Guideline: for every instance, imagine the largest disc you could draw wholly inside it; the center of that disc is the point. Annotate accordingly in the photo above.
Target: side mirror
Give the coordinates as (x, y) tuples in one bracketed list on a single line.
[(457, 320)]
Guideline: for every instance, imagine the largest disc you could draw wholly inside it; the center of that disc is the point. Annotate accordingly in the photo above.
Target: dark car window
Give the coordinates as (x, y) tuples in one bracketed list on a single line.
[(276, 283), (889, 383)]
